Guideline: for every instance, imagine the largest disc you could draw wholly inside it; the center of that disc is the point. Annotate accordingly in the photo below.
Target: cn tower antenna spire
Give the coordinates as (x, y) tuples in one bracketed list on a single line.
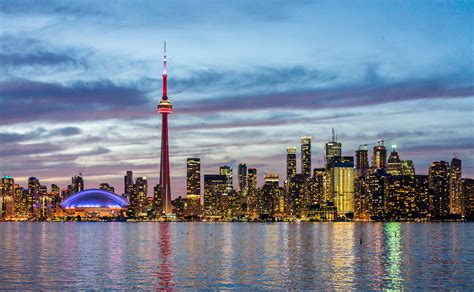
[(164, 60)]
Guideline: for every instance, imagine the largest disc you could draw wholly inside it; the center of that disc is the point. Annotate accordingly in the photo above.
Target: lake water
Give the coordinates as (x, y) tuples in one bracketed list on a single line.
[(236, 255)]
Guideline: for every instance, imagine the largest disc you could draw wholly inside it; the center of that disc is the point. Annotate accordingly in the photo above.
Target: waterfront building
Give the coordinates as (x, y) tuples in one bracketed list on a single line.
[(320, 179), (214, 186), (193, 186), (342, 179), (468, 197), (306, 156), (138, 197), (295, 196), (400, 198), (439, 188), (375, 193), (268, 196), (423, 195), (456, 202), (321, 212), (7, 202), (252, 191), (157, 207), (180, 207)]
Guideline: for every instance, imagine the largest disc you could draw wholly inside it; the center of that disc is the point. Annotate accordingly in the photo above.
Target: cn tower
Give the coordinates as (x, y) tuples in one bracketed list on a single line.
[(165, 108)]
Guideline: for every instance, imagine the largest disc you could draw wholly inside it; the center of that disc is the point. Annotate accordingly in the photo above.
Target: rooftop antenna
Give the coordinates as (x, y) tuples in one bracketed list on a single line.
[(333, 135)]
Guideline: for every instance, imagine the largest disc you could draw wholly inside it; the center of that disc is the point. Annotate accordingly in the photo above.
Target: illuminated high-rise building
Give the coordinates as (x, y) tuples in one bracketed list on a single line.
[(320, 175), (138, 198), (375, 184), (333, 149), (290, 162), (128, 184), (77, 183), (227, 171), (193, 186), (32, 200), (394, 164), (268, 195), (157, 200), (342, 180), (107, 187), (7, 208), (468, 197), (408, 168), (362, 160), (215, 185), (242, 172), (438, 176), (252, 190), (165, 108), (456, 202), (295, 196), (400, 197), (380, 157), (306, 156)]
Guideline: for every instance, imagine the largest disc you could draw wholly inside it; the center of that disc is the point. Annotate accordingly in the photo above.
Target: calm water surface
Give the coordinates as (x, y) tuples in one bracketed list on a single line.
[(236, 255)]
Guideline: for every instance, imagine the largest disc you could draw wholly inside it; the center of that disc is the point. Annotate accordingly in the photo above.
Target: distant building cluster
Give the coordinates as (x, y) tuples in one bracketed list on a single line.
[(347, 188)]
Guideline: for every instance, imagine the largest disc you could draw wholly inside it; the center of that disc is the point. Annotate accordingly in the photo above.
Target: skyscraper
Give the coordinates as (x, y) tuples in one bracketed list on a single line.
[(342, 180), (290, 162), (394, 165), (252, 190), (380, 157), (7, 197), (193, 185), (139, 202), (362, 161), (227, 171), (242, 172), (456, 201), (408, 168), (214, 186), (438, 176), (77, 184), (333, 149), (165, 108), (128, 184), (306, 156)]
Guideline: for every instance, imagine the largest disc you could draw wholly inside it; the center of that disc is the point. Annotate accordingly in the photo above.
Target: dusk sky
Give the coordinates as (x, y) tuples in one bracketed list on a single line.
[(80, 82)]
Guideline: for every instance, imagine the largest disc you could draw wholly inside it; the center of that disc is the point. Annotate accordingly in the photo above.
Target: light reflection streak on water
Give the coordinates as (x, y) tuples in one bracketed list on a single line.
[(392, 232)]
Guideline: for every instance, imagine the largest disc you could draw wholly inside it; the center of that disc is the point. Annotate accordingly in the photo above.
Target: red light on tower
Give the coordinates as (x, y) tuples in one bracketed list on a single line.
[(165, 108)]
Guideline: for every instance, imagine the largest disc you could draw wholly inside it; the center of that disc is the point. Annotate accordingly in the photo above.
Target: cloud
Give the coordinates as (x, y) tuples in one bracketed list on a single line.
[(41, 132), (12, 150), (66, 131), (95, 100), (96, 151), (337, 97)]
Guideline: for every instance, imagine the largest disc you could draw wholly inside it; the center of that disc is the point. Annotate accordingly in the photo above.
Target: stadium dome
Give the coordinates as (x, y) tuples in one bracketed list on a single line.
[(94, 198)]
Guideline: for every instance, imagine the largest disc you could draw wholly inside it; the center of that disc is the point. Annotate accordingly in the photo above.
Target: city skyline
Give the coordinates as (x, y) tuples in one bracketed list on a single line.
[(67, 104)]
